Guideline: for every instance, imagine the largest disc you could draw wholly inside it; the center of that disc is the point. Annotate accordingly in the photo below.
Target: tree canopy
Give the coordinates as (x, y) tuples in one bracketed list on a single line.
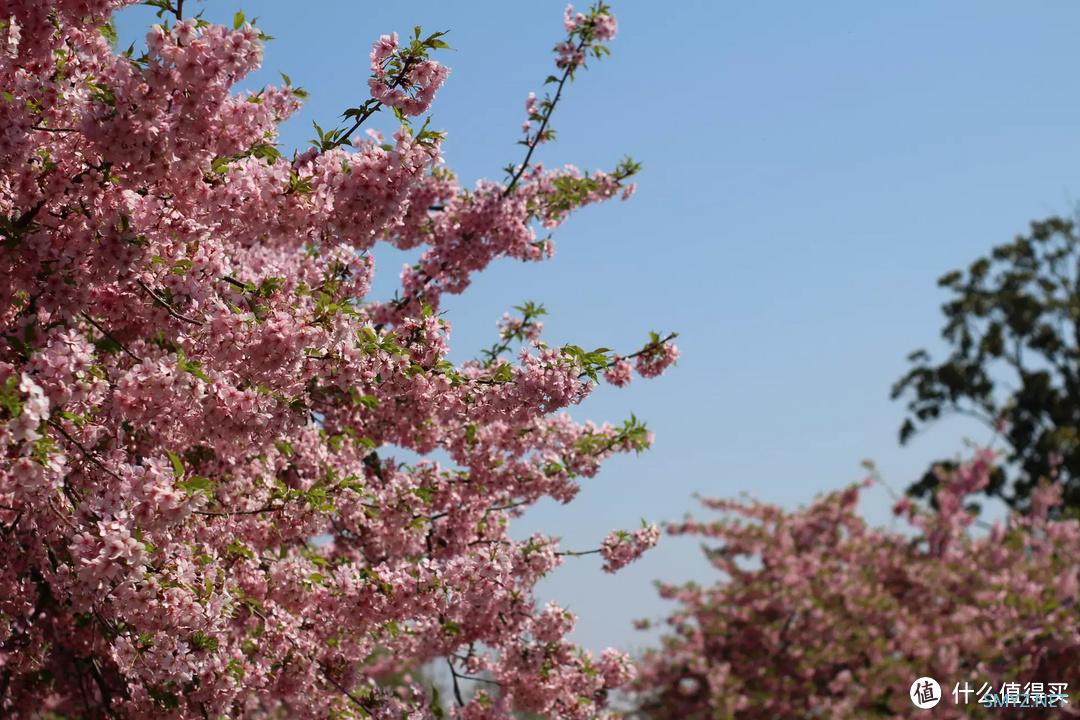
[(1012, 327)]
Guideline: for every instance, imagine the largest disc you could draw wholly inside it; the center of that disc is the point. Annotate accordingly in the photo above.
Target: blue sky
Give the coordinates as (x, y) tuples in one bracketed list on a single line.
[(809, 171)]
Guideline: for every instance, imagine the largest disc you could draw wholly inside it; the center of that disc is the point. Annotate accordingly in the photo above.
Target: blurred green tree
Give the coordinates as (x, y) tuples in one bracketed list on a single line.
[(1013, 329)]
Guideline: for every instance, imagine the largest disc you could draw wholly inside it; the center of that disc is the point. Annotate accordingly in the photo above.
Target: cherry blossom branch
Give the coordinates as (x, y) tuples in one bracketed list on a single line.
[(99, 680), (86, 453), (457, 688), (93, 529), (578, 553), (327, 675), (341, 688), (648, 348), (13, 228), (42, 128), (230, 513), (62, 517), (377, 106), (548, 110), (168, 307), (517, 329), (384, 54), (109, 335)]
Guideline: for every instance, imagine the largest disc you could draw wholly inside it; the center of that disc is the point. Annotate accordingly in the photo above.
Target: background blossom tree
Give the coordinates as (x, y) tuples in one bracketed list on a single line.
[(195, 385), (820, 615)]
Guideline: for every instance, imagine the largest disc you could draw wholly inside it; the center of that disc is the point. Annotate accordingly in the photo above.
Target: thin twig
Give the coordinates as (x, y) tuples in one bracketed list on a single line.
[(480, 679), (7, 530), (63, 518), (409, 61), (109, 335), (53, 130), (543, 125), (457, 688), (642, 351), (99, 680), (165, 304), (230, 513), (343, 689), (577, 553), (86, 453)]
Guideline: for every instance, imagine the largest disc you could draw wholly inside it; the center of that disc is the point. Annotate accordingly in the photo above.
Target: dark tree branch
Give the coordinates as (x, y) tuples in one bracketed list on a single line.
[(165, 304), (109, 335), (567, 72)]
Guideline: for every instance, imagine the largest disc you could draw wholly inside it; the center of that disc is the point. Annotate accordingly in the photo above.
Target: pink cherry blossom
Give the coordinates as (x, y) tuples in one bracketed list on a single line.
[(621, 548), (817, 614), (200, 399), (619, 373)]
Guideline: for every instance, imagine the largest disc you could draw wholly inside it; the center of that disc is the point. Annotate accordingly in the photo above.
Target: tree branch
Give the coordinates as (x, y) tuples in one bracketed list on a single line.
[(86, 453), (165, 304), (109, 335), (567, 72)]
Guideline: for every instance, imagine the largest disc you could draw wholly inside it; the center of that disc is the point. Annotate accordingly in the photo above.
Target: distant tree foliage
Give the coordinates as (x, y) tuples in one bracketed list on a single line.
[(1013, 326)]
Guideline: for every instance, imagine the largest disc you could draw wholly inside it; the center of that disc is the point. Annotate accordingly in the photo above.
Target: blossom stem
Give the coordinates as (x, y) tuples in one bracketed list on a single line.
[(168, 307), (457, 688), (567, 72), (86, 453), (109, 335)]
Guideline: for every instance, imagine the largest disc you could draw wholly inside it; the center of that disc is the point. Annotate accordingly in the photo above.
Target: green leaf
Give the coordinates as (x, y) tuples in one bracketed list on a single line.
[(108, 31), (238, 20), (239, 549), (10, 397), (236, 669), (75, 418), (177, 464), (369, 401), (197, 484), (181, 267), (201, 641)]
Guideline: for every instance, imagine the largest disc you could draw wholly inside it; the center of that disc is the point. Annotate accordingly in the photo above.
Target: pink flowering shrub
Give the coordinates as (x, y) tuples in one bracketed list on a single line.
[(198, 399), (819, 615)]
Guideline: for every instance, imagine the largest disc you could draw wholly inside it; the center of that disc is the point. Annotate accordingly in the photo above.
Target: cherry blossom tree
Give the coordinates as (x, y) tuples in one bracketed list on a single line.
[(819, 615), (200, 512)]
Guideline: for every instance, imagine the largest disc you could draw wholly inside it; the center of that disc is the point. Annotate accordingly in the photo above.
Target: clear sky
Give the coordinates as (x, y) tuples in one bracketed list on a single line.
[(810, 169)]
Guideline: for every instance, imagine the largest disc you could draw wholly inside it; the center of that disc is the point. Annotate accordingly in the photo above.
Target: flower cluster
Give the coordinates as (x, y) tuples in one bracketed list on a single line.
[(820, 615), (199, 401), (619, 372), (406, 80), (621, 547), (603, 23), (585, 35), (655, 357), (585, 32)]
